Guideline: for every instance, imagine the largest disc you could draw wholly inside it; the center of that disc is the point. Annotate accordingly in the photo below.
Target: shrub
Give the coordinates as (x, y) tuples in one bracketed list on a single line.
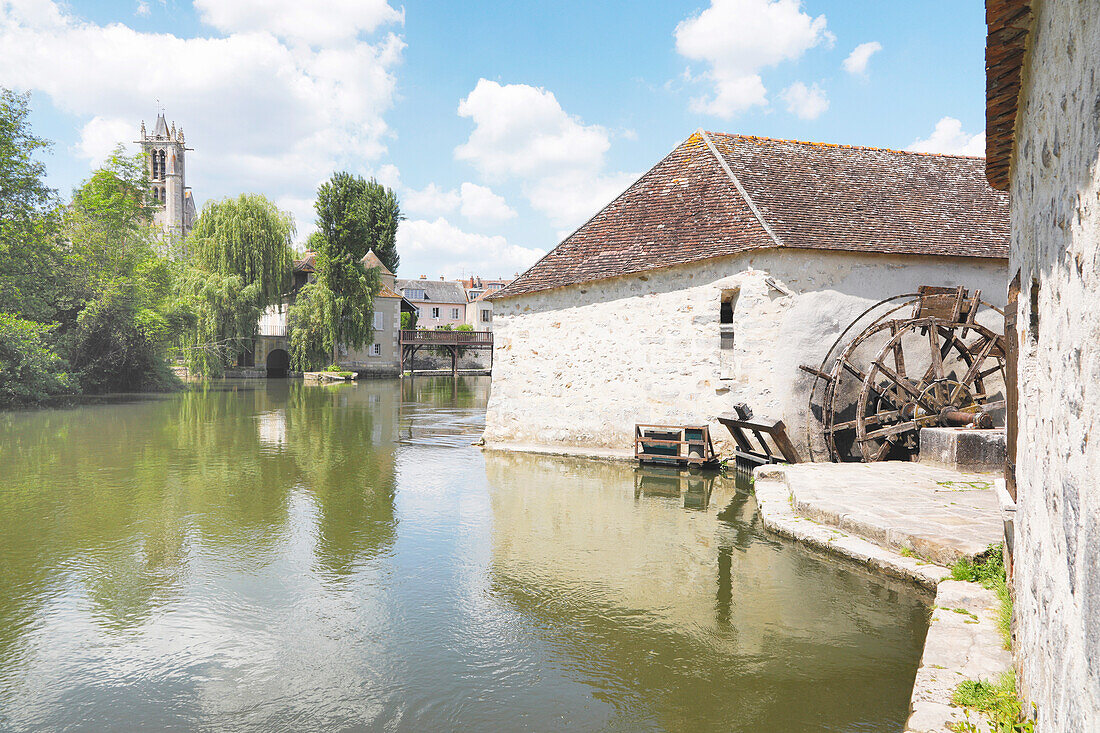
[(30, 372)]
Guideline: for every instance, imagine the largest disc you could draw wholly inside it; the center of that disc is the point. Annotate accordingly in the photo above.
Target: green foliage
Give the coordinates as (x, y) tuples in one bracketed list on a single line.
[(311, 324), (356, 216), (248, 237), (464, 327), (353, 217), (118, 329), (997, 703), (332, 368), (31, 252), (988, 569), (30, 371), (218, 319), (408, 321)]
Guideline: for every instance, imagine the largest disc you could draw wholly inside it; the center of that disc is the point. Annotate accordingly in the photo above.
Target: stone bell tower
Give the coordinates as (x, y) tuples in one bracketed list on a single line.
[(164, 153)]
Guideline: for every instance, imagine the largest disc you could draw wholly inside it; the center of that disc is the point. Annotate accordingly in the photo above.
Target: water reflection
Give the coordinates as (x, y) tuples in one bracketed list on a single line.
[(280, 556)]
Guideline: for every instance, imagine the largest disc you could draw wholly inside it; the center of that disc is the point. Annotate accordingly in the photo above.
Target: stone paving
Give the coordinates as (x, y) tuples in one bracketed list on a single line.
[(963, 643), (936, 513)]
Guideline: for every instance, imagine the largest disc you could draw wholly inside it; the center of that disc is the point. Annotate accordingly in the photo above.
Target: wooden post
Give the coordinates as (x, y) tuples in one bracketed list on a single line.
[(454, 362)]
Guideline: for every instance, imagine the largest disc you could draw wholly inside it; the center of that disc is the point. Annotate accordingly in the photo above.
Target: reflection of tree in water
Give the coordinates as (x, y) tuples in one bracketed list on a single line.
[(342, 440), (121, 496)]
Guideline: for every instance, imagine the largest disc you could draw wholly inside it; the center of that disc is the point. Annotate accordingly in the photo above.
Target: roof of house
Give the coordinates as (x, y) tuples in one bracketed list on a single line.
[(370, 260), (1009, 22), (308, 262), (435, 291), (717, 195)]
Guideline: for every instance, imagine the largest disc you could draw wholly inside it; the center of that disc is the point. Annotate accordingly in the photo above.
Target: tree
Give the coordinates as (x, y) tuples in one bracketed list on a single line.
[(123, 312), (248, 237), (356, 216), (31, 255), (29, 370), (218, 316)]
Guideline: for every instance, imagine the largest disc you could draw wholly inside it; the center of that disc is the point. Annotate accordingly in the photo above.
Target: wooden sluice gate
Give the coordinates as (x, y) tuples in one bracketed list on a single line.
[(674, 445)]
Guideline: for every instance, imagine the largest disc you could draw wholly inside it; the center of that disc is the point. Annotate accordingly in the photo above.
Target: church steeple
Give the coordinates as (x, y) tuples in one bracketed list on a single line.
[(164, 154)]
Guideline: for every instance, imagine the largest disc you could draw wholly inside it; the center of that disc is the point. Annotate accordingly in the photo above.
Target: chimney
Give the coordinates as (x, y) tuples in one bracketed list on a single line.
[(440, 278), (423, 277)]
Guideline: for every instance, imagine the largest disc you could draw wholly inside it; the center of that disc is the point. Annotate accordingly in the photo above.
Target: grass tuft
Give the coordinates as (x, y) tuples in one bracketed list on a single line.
[(988, 569)]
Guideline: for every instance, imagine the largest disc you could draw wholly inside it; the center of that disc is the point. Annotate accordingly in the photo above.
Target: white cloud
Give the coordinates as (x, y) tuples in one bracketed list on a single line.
[(739, 38), (474, 202), (424, 245), (334, 21), (479, 203), (100, 136), (950, 139), (808, 103), (521, 130), (142, 9), (857, 60), (263, 114), (522, 133)]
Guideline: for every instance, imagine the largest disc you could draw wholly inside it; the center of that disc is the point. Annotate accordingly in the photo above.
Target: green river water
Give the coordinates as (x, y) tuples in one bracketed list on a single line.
[(276, 556)]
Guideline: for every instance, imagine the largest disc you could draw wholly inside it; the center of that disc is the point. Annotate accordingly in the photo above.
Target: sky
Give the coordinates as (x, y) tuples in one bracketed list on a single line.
[(502, 125)]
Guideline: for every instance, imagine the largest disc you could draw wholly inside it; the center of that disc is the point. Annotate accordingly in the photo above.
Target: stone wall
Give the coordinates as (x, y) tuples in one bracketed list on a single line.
[(1056, 248), (579, 366)]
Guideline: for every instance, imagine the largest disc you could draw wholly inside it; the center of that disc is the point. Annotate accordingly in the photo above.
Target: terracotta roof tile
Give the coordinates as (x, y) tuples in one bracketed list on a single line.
[(810, 195), (1009, 24)]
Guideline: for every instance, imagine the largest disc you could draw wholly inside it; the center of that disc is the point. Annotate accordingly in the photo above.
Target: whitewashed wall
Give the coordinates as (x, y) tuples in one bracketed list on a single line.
[(579, 366), (1056, 246)]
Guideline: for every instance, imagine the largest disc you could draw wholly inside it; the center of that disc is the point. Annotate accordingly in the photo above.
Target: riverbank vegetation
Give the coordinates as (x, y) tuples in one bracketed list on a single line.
[(96, 298)]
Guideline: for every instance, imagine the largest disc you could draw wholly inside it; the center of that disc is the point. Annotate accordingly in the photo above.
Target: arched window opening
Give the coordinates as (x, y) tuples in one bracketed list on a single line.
[(726, 308)]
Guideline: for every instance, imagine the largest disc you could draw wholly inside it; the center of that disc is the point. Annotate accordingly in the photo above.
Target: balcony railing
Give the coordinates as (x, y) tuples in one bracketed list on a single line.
[(473, 339)]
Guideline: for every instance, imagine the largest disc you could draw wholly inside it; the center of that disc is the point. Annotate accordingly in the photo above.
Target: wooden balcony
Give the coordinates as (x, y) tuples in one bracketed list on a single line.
[(465, 339)]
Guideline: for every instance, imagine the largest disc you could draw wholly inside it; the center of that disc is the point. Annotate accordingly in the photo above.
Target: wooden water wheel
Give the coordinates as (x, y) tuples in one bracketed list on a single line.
[(941, 363)]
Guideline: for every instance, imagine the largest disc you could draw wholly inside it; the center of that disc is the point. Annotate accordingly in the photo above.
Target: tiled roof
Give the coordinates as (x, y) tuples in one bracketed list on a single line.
[(307, 263), (800, 195), (435, 291), (1009, 22), (370, 260), (386, 292)]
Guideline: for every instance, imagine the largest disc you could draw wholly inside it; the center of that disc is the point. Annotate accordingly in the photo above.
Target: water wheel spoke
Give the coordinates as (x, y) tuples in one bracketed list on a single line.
[(899, 353), (887, 394), (876, 418), (883, 449), (937, 355), (904, 384), (979, 359), (893, 430)]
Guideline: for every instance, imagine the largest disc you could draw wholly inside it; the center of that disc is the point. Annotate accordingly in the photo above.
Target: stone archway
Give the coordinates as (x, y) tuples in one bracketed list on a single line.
[(278, 363)]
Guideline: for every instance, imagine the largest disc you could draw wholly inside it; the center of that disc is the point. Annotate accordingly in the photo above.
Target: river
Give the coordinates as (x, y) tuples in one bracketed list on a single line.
[(277, 556)]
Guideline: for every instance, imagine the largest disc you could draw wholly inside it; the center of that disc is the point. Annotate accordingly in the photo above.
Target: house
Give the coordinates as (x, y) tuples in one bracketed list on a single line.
[(1043, 145), (714, 276), (380, 358), (479, 310), (438, 303)]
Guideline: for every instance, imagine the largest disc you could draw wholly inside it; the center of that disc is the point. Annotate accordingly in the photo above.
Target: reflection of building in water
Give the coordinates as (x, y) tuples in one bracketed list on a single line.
[(272, 427), (586, 534)]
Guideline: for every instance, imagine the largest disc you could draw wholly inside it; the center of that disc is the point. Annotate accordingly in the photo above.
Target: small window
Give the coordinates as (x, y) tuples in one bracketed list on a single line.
[(375, 350), (725, 317), (435, 313), (454, 314), (1033, 314), (379, 320), (414, 293), (486, 316)]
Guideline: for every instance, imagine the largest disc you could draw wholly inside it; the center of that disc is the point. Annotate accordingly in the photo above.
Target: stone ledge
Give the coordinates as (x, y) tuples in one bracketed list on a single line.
[(778, 515), (963, 643), (963, 449), (599, 454)]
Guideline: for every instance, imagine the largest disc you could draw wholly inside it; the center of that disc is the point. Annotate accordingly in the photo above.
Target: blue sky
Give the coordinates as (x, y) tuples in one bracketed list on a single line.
[(502, 125)]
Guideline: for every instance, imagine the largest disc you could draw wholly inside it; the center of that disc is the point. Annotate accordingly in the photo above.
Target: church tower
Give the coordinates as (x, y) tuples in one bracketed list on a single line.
[(164, 158)]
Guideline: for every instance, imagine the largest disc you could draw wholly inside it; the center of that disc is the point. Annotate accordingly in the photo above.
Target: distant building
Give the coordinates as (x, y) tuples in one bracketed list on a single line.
[(164, 153), (380, 358), (439, 303), (479, 309)]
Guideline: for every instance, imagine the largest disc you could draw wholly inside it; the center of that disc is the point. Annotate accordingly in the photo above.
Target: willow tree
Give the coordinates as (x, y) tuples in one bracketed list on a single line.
[(248, 237)]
